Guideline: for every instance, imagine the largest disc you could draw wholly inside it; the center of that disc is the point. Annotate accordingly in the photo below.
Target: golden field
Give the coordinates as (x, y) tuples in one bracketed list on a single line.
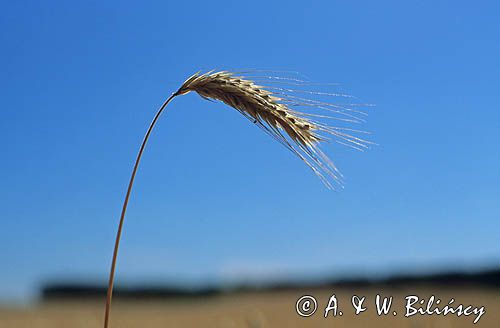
[(257, 310)]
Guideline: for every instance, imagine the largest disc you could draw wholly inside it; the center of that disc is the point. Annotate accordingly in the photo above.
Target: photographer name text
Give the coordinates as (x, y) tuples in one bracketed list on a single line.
[(307, 306)]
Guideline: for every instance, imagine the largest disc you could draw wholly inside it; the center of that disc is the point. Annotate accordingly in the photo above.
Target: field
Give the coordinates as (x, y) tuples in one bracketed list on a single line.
[(257, 310)]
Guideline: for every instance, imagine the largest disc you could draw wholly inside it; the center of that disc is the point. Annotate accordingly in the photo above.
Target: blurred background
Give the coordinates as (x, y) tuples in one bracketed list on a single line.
[(217, 203)]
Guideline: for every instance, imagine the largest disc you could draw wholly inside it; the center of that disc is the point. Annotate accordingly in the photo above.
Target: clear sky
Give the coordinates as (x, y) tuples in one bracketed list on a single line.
[(215, 198)]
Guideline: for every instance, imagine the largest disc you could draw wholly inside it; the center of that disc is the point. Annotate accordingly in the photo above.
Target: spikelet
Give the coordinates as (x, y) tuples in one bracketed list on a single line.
[(271, 109)]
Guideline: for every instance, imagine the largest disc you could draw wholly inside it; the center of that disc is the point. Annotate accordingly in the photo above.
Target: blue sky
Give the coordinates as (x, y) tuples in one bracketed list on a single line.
[(215, 198)]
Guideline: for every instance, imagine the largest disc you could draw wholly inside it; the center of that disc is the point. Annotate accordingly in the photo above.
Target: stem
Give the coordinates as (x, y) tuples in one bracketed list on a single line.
[(124, 209)]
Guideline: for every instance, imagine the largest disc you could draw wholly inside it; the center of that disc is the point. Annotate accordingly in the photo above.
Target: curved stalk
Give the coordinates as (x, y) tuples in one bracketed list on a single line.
[(124, 209)]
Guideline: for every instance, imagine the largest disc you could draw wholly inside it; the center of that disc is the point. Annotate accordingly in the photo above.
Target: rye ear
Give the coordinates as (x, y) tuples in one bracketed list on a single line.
[(271, 109)]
